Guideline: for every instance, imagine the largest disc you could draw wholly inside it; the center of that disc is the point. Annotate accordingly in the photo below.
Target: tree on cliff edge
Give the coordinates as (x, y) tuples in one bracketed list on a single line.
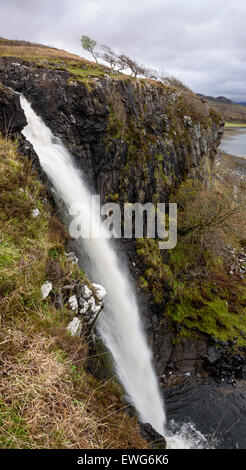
[(89, 45)]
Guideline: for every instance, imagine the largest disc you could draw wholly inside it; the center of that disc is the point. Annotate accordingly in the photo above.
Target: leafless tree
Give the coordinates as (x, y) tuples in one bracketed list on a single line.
[(151, 73), (111, 57), (173, 81), (125, 62)]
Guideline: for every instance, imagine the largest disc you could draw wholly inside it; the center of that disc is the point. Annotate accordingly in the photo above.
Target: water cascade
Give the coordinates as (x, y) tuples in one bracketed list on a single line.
[(119, 323)]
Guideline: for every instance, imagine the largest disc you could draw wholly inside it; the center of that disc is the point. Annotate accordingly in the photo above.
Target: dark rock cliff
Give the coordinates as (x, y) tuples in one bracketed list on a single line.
[(134, 139), (12, 119)]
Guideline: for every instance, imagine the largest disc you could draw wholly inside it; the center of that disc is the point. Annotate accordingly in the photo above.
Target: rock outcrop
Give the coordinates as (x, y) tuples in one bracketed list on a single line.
[(134, 139), (12, 119), (156, 440), (87, 304)]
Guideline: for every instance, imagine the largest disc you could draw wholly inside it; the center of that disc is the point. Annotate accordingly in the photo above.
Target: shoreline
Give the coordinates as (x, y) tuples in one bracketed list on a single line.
[(234, 125)]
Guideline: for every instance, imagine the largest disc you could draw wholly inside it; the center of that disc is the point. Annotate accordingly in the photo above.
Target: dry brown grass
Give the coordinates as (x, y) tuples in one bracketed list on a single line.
[(50, 57), (47, 400), (229, 177), (24, 49), (40, 403), (230, 112)]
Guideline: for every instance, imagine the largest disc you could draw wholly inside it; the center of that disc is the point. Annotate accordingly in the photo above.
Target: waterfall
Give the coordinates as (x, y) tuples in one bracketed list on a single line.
[(119, 324)]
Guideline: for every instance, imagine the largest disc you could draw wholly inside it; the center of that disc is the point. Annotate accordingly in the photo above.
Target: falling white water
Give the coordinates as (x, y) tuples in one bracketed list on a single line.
[(119, 323)]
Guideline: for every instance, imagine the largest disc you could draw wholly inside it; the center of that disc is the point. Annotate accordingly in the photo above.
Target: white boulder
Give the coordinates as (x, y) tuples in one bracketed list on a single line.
[(84, 306), (35, 213), (86, 292), (75, 327), (97, 309), (100, 291), (45, 289), (92, 304), (73, 303)]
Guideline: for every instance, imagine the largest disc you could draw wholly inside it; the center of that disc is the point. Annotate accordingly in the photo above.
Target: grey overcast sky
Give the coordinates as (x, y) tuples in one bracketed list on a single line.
[(202, 42)]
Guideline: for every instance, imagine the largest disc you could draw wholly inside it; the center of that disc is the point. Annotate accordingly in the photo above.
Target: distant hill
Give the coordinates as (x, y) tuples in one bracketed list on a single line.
[(231, 111), (219, 99)]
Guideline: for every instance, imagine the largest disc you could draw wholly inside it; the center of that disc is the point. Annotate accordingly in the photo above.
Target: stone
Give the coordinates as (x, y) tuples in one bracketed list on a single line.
[(187, 120), (84, 306), (35, 213), (75, 327), (244, 372), (213, 355), (156, 440), (59, 301), (12, 117), (45, 289), (86, 292), (92, 303), (73, 303), (100, 291), (71, 257), (97, 309)]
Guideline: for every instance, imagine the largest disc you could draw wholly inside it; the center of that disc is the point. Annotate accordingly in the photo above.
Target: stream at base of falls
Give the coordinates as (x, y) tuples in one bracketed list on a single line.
[(217, 410)]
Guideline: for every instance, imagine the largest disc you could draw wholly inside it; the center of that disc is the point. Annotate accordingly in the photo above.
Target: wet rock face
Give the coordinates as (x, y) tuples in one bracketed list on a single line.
[(187, 356), (198, 358), (122, 132), (156, 440), (223, 365), (213, 355), (131, 145), (12, 118)]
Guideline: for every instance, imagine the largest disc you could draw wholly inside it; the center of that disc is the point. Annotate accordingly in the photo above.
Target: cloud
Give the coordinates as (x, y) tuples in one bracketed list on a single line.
[(203, 43)]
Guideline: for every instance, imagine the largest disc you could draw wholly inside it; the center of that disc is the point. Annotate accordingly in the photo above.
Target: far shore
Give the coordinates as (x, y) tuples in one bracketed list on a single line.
[(235, 124)]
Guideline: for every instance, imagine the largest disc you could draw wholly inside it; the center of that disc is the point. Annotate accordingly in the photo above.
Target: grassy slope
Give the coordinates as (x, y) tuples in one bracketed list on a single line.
[(77, 66), (47, 400), (230, 112)]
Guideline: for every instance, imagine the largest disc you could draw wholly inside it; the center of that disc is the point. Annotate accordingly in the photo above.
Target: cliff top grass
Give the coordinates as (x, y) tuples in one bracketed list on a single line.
[(52, 57), (77, 66), (84, 70), (31, 51), (47, 399)]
